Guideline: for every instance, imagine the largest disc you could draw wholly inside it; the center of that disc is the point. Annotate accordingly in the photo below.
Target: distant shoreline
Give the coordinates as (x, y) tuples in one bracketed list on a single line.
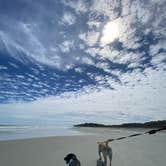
[(150, 124)]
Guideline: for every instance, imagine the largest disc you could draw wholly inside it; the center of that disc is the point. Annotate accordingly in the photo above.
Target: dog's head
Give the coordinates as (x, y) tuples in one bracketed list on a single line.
[(69, 157), (105, 143)]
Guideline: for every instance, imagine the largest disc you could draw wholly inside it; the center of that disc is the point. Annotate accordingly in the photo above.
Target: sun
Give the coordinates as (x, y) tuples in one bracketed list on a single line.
[(110, 33)]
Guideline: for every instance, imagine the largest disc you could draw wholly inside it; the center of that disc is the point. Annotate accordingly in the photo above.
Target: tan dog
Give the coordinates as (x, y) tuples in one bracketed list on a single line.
[(105, 150)]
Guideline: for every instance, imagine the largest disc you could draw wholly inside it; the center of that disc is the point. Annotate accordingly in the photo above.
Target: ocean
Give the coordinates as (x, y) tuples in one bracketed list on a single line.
[(23, 132)]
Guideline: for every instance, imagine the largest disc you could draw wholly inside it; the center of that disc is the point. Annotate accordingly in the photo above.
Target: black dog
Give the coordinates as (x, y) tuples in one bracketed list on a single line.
[(71, 160)]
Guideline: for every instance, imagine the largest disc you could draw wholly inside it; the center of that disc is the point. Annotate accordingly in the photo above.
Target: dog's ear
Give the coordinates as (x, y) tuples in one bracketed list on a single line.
[(67, 159)]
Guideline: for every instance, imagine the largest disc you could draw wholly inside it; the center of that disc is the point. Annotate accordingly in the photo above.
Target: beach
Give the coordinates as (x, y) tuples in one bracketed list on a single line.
[(146, 150)]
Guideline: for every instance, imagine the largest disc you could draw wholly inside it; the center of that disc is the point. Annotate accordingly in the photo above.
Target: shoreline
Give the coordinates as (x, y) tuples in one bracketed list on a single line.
[(69, 131)]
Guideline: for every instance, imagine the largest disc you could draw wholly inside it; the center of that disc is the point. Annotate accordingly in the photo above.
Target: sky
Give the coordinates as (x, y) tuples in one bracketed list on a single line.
[(65, 62)]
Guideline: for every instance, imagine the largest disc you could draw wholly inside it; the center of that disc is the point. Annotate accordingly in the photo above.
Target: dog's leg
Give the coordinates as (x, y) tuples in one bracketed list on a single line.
[(110, 158), (105, 159), (99, 155), (110, 155)]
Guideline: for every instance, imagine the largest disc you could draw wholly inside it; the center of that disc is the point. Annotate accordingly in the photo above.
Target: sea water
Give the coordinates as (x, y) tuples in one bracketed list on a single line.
[(22, 132)]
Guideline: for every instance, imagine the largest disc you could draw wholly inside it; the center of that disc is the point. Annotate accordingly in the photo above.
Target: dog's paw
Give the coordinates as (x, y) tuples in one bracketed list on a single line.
[(100, 163)]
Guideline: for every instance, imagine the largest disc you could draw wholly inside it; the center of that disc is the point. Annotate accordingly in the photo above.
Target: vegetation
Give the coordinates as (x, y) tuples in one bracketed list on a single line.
[(151, 124)]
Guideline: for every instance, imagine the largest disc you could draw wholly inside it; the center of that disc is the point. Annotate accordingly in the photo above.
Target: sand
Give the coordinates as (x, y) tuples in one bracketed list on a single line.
[(148, 150)]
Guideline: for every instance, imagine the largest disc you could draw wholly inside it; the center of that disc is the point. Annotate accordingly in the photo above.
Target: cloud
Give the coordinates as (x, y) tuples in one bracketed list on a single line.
[(67, 46), (3, 67), (56, 47), (79, 6), (128, 103), (90, 38), (68, 19), (160, 58), (107, 7)]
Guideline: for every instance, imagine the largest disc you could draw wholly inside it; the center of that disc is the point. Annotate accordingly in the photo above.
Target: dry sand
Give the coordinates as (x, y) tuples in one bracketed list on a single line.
[(147, 150)]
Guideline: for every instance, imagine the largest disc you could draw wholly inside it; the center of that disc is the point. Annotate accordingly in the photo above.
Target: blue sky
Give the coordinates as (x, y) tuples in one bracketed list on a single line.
[(67, 62)]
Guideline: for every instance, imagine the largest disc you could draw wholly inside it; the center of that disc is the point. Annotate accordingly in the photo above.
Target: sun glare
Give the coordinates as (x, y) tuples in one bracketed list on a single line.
[(110, 33)]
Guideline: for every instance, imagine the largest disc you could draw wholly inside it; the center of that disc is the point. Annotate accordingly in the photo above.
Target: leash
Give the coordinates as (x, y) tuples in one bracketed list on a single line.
[(138, 134)]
